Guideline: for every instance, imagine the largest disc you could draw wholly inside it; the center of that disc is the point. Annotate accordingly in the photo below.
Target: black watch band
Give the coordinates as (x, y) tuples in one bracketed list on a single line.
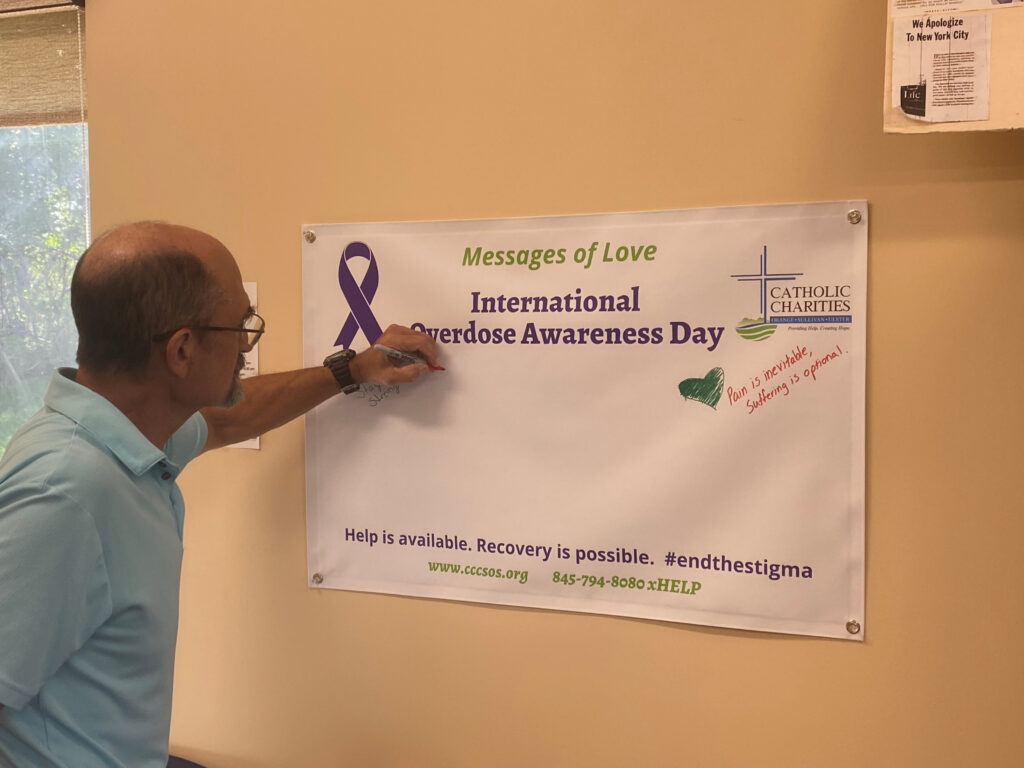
[(338, 364)]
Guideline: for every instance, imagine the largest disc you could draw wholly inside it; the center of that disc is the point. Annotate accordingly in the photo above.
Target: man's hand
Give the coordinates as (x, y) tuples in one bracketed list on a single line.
[(373, 367)]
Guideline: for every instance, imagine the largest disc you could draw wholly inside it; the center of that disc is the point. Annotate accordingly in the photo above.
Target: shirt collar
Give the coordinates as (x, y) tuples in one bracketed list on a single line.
[(103, 420)]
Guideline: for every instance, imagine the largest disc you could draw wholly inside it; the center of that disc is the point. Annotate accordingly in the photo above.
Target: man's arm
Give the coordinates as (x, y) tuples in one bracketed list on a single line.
[(275, 399), (55, 591), (270, 401)]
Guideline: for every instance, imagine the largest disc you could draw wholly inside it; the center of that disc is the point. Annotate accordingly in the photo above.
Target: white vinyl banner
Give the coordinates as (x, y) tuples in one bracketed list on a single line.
[(657, 415)]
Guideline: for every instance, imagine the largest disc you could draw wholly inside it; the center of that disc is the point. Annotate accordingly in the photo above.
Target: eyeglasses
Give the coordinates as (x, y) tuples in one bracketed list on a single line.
[(253, 325)]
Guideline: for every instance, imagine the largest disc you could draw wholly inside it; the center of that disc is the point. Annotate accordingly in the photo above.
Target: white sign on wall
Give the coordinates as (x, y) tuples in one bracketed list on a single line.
[(251, 367), (940, 67), (657, 415)]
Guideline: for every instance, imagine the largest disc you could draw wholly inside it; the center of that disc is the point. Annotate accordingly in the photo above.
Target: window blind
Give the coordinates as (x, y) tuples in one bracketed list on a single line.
[(10, 6), (42, 59)]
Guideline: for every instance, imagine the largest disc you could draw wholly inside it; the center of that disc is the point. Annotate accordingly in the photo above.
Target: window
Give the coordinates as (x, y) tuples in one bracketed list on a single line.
[(44, 202)]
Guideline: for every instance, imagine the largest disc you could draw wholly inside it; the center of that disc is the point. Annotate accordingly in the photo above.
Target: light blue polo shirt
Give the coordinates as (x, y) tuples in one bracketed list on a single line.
[(90, 563)]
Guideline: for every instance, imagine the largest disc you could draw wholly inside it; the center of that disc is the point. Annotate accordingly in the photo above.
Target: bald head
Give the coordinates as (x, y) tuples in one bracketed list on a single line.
[(118, 247), (139, 281)]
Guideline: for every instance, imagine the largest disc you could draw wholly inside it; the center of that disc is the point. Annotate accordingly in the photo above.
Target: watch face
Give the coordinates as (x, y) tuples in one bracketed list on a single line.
[(341, 354), (338, 364)]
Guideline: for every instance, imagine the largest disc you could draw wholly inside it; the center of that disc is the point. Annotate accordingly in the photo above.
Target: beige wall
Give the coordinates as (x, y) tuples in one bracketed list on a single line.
[(250, 118)]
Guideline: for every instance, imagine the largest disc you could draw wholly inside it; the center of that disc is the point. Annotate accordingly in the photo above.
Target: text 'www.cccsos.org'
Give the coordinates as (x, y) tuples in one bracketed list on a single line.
[(480, 571)]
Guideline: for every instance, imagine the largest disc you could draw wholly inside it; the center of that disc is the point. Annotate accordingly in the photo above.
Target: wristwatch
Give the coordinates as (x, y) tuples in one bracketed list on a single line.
[(338, 363)]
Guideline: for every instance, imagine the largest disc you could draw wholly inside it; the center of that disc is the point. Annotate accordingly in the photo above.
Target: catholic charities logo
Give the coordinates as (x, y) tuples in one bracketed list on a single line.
[(785, 298)]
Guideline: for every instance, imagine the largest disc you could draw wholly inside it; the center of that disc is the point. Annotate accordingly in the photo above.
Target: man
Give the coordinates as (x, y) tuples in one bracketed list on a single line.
[(90, 513)]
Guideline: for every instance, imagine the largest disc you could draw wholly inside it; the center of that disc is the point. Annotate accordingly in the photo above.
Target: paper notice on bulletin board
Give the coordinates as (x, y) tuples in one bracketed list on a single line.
[(940, 67), (918, 7), (251, 367), (657, 415)]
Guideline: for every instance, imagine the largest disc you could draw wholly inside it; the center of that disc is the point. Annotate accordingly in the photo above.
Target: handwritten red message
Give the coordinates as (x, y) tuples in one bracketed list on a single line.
[(780, 378)]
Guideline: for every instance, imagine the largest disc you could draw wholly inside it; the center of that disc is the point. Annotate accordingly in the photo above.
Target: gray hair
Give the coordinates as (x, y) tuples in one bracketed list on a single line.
[(121, 307)]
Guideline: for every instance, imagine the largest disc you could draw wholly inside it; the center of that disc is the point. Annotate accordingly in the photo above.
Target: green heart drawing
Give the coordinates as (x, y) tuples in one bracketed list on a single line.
[(707, 390)]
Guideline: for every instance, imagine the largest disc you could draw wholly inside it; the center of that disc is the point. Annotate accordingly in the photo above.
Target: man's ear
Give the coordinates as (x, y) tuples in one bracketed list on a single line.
[(179, 352)]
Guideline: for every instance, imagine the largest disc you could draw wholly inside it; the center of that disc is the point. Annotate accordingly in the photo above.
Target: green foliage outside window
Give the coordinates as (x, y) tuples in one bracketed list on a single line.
[(43, 231)]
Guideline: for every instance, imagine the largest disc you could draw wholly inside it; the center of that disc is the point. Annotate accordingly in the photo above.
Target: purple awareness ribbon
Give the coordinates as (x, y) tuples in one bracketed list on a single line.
[(358, 296)]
